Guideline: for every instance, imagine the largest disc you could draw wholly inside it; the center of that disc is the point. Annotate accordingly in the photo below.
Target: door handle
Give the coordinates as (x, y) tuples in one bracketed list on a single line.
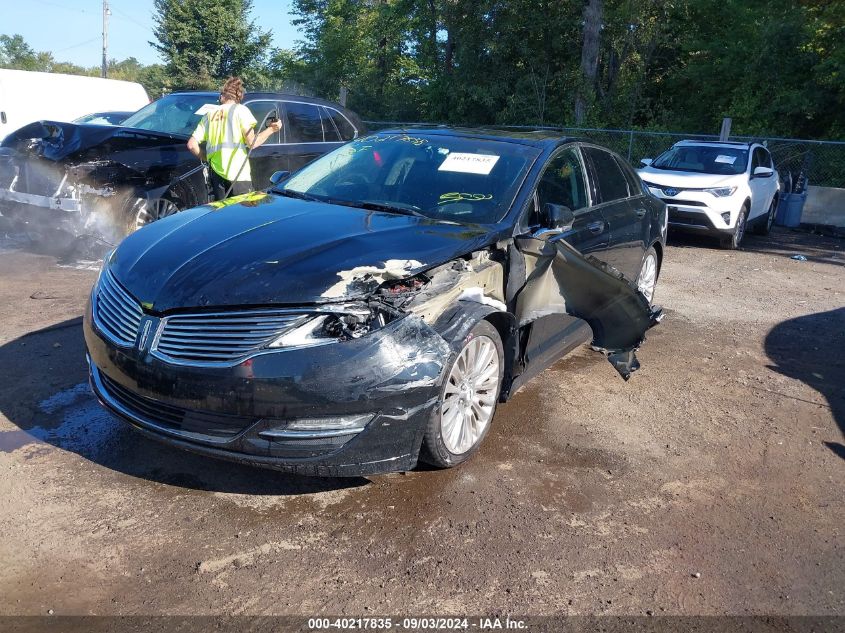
[(596, 227), (640, 213)]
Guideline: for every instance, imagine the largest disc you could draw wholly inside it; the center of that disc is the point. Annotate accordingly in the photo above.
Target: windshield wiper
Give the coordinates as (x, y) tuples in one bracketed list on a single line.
[(384, 206), (300, 195)]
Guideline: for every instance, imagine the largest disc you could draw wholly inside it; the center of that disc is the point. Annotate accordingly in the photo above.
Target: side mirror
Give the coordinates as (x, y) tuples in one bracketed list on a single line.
[(558, 216), (646, 161), (279, 177), (763, 172), (557, 219)]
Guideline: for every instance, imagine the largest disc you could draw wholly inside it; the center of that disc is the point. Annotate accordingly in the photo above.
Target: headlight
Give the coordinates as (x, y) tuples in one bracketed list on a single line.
[(721, 192), (321, 329)]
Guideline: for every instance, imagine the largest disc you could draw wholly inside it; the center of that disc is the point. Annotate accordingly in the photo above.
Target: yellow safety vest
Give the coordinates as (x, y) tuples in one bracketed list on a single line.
[(224, 132)]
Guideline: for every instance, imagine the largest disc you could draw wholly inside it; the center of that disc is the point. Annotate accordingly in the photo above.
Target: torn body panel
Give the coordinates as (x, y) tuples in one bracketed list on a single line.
[(563, 281)]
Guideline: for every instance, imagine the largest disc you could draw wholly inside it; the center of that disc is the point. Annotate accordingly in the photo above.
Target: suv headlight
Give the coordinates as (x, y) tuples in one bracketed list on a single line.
[(721, 192)]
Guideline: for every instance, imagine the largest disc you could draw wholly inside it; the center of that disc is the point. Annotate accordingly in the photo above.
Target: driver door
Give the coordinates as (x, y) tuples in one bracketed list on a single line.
[(563, 183)]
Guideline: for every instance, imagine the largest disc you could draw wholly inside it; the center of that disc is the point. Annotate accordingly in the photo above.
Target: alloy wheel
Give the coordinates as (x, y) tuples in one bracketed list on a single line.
[(739, 233), (648, 276), (469, 398), (147, 211), (772, 210)]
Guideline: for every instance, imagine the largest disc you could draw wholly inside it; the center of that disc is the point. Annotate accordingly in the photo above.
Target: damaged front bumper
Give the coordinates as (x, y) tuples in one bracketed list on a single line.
[(260, 411), (54, 202)]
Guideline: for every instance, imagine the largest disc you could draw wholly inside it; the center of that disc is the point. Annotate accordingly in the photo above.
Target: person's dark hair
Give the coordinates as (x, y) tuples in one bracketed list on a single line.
[(233, 89)]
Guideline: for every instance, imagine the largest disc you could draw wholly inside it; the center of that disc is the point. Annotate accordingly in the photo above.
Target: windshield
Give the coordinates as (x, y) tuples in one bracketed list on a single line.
[(703, 159), (173, 114), (461, 179)]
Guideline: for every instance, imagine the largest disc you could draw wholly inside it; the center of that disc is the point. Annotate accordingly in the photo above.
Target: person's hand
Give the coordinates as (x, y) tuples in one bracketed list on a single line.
[(275, 125)]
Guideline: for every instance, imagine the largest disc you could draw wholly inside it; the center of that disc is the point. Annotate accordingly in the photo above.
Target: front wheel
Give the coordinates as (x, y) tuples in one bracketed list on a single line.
[(733, 242), (468, 399), (142, 211)]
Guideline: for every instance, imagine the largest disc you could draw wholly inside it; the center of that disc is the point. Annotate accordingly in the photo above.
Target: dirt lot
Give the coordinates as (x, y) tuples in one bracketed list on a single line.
[(713, 482)]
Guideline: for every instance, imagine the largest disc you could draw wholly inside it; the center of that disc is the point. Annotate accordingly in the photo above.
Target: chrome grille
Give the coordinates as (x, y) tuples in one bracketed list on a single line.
[(116, 314), (222, 337)]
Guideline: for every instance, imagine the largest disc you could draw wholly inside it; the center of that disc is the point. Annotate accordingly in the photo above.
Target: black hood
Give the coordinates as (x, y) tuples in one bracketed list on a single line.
[(59, 140), (265, 249)]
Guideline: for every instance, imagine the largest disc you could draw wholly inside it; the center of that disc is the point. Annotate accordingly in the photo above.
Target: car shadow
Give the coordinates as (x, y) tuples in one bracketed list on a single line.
[(780, 241), (810, 349), (46, 395)]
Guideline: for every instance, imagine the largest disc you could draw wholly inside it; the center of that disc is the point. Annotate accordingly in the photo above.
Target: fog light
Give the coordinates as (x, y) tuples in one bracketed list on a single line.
[(726, 216), (319, 427)]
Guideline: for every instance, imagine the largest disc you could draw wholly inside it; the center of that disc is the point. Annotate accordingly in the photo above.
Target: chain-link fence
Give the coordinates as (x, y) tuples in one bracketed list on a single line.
[(819, 163)]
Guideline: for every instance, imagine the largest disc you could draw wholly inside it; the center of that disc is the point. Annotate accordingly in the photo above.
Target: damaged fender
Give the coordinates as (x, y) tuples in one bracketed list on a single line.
[(565, 281)]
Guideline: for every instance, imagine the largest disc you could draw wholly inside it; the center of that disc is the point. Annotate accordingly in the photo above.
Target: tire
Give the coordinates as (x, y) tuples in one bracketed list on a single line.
[(649, 271), (455, 430), (138, 212), (765, 226), (734, 241)]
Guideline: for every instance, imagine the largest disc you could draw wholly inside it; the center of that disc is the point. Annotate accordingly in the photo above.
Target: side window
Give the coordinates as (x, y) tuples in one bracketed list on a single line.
[(304, 124), (759, 159), (330, 132), (561, 183), (610, 181), (635, 185), (262, 111), (347, 132)]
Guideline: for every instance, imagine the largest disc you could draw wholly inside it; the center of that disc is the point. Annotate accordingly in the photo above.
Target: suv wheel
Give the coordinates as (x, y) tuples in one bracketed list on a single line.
[(733, 241), (468, 399), (765, 225)]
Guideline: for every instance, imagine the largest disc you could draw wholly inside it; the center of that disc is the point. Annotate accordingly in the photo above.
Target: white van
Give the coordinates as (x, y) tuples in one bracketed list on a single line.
[(29, 96)]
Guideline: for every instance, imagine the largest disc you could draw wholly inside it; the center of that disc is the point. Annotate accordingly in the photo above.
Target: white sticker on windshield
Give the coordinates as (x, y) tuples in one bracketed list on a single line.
[(729, 160), (206, 108), (469, 163)]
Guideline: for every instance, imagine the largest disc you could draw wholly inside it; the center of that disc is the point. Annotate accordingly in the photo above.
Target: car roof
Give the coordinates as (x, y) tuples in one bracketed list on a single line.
[(264, 95), (735, 144), (538, 137)]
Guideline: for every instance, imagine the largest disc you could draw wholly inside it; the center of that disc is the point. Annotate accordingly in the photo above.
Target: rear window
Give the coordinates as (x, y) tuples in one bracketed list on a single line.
[(610, 181), (304, 123), (347, 132)]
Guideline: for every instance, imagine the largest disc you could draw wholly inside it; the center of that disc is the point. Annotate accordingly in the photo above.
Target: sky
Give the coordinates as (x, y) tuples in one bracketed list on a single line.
[(72, 29)]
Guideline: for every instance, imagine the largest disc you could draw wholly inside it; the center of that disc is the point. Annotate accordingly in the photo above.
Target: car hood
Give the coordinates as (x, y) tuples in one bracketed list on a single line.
[(686, 179), (264, 249), (59, 140)]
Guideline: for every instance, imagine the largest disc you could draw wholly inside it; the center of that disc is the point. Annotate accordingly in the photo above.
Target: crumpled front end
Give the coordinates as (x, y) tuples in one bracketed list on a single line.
[(98, 181)]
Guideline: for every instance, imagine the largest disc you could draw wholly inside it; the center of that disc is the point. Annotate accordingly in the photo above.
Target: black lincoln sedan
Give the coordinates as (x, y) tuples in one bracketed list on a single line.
[(374, 308)]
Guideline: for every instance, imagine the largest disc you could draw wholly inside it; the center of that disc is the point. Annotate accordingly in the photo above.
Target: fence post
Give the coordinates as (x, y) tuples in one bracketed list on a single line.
[(630, 144)]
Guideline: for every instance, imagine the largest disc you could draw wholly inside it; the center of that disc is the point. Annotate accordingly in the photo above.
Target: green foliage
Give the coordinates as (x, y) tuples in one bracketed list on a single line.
[(775, 67), (206, 41)]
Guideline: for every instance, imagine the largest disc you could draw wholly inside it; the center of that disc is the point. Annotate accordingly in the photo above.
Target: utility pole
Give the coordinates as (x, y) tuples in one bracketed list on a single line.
[(104, 72)]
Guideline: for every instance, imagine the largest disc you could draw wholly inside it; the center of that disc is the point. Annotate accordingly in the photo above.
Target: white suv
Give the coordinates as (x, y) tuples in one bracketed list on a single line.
[(719, 188)]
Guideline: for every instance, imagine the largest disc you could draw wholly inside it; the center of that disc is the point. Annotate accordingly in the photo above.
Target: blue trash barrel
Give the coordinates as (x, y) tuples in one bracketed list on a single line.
[(790, 207)]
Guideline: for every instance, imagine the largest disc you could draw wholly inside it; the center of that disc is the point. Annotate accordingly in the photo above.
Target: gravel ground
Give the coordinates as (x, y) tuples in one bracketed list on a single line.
[(710, 483)]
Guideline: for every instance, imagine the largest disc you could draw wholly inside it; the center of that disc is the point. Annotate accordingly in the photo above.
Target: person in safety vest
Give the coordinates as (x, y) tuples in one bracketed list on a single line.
[(229, 134)]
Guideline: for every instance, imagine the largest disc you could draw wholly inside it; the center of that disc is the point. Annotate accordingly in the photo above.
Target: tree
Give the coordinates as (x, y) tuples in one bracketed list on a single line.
[(205, 41)]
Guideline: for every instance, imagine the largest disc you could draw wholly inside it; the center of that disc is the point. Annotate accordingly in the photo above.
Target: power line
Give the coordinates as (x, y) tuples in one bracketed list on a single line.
[(126, 16), (61, 6), (67, 48)]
